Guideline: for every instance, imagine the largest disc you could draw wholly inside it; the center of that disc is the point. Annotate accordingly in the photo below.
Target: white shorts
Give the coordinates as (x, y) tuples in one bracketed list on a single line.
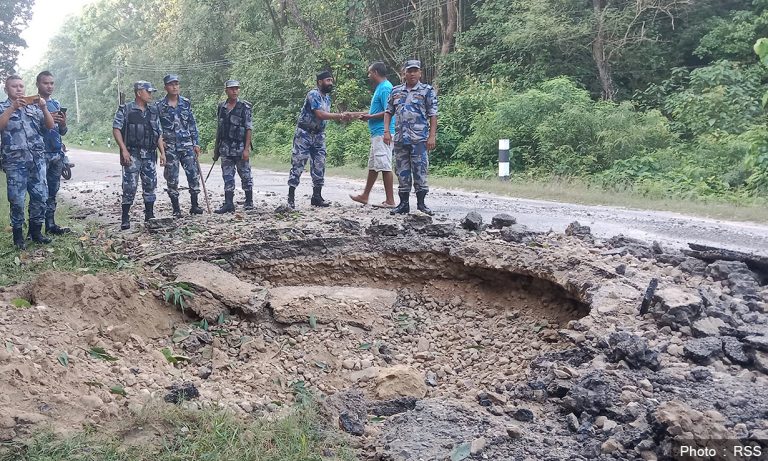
[(380, 158)]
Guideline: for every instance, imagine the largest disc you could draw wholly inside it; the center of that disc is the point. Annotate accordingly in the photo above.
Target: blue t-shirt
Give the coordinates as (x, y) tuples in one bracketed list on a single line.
[(379, 104)]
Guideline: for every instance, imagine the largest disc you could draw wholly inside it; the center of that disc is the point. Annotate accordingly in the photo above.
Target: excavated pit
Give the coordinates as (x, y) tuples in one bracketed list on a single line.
[(438, 277), (351, 309)]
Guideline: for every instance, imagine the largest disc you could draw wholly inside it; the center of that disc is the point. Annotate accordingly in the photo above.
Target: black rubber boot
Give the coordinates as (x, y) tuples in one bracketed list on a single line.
[(125, 222), (317, 197), (248, 200), (149, 210), (195, 208), (175, 205), (292, 197), (420, 203), (18, 238), (404, 206), (36, 233), (229, 204), (52, 228)]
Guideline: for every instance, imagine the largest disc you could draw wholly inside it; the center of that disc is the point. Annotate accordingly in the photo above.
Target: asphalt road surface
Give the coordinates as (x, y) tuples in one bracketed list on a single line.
[(99, 173)]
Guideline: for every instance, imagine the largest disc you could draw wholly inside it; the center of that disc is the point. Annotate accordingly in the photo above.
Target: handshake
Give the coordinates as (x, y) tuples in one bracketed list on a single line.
[(350, 116)]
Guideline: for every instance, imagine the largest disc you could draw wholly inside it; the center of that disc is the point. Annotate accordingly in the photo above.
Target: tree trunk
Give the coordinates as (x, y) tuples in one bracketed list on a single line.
[(449, 28), (599, 54), (275, 24), (309, 31)]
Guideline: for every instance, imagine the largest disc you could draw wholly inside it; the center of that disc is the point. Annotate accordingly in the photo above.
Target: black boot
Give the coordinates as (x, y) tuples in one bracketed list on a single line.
[(292, 197), (52, 228), (229, 204), (195, 208), (248, 200), (317, 197), (404, 206), (18, 238), (125, 222), (420, 203), (36, 233), (149, 210), (175, 205)]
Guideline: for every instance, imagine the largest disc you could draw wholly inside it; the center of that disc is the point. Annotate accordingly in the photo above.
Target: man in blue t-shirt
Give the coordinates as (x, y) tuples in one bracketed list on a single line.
[(380, 156)]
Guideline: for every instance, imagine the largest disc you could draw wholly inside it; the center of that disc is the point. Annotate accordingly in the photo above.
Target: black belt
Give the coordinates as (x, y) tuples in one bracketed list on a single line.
[(310, 130)]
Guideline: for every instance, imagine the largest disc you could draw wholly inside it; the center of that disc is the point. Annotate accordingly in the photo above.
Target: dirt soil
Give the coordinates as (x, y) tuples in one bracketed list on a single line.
[(423, 339)]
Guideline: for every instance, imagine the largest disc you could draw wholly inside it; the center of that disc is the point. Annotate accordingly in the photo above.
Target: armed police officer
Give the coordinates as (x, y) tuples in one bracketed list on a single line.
[(137, 131), (53, 150), (22, 155), (414, 106), (233, 145), (309, 139), (181, 144)]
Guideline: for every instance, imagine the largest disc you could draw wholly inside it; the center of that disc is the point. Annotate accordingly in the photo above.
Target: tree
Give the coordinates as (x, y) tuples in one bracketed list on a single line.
[(14, 17)]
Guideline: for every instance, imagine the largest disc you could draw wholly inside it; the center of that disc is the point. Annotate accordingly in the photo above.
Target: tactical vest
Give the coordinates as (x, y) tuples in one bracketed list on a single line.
[(137, 131), (233, 124)]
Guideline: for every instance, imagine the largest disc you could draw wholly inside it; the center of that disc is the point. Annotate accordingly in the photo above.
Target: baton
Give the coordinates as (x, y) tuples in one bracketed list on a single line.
[(205, 192), (209, 171)]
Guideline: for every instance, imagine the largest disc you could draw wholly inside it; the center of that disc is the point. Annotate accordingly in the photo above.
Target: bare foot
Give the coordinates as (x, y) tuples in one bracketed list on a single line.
[(387, 205), (359, 199)]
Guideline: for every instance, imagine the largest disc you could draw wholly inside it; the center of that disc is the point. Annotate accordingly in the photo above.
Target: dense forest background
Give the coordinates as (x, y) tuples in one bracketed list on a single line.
[(657, 96)]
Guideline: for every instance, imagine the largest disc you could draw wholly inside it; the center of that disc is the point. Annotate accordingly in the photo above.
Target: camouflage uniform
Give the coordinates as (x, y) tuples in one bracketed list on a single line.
[(22, 154), (180, 136), (309, 140), (142, 146), (233, 126), (55, 160), (412, 109)]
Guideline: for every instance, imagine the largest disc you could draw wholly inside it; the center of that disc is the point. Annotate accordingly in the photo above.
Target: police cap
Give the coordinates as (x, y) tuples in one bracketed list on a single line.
[(170, 78)]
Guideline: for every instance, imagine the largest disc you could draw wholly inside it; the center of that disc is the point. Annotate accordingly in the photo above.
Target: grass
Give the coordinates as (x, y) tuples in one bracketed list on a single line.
[(87, 249), (568, 191), (171, 433)]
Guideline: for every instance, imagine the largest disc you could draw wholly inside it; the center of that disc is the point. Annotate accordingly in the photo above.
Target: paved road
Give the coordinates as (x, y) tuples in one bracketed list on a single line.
[(99, 173)]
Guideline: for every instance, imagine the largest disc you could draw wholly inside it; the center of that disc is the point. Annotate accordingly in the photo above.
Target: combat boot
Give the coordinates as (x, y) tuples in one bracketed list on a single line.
[(125, 222), (36, 233), (195, 208), (52, 228), (229, 204), (248, 200), (149, 211), (292, 197), (404, 206), (18, 238), (175, 205), (317, 197), (420, 203)]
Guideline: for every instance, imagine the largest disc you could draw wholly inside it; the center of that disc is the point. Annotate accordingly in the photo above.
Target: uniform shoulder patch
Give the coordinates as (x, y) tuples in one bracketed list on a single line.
[(247, 104)]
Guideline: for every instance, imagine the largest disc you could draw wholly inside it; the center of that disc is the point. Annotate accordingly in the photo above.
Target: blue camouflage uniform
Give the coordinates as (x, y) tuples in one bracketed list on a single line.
[(412, 108), (22, 154), (233, 125), (55, 159), (180, 136), (141, 130), (309, 140)]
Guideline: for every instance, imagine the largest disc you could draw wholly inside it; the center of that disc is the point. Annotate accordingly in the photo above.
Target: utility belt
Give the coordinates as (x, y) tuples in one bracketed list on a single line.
[(309, 129)]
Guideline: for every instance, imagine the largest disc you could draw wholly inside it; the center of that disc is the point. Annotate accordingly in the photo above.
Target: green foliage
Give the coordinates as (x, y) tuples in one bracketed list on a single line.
[(557, 129), (211, 434), (177, 294), (721, 97), (14, 16), (348, 144)]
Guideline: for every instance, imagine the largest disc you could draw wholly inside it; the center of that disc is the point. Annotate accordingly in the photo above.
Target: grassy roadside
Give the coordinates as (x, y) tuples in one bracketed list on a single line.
[(170, 433), (87, 249), (575, 192)]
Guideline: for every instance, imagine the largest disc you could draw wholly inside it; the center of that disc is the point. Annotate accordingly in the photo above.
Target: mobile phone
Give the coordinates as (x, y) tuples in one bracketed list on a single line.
[(31, 99), (63, 110)]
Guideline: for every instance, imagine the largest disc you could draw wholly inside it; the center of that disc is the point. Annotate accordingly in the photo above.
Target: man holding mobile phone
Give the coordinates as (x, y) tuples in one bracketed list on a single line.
[(22, 154), (53, 150)]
